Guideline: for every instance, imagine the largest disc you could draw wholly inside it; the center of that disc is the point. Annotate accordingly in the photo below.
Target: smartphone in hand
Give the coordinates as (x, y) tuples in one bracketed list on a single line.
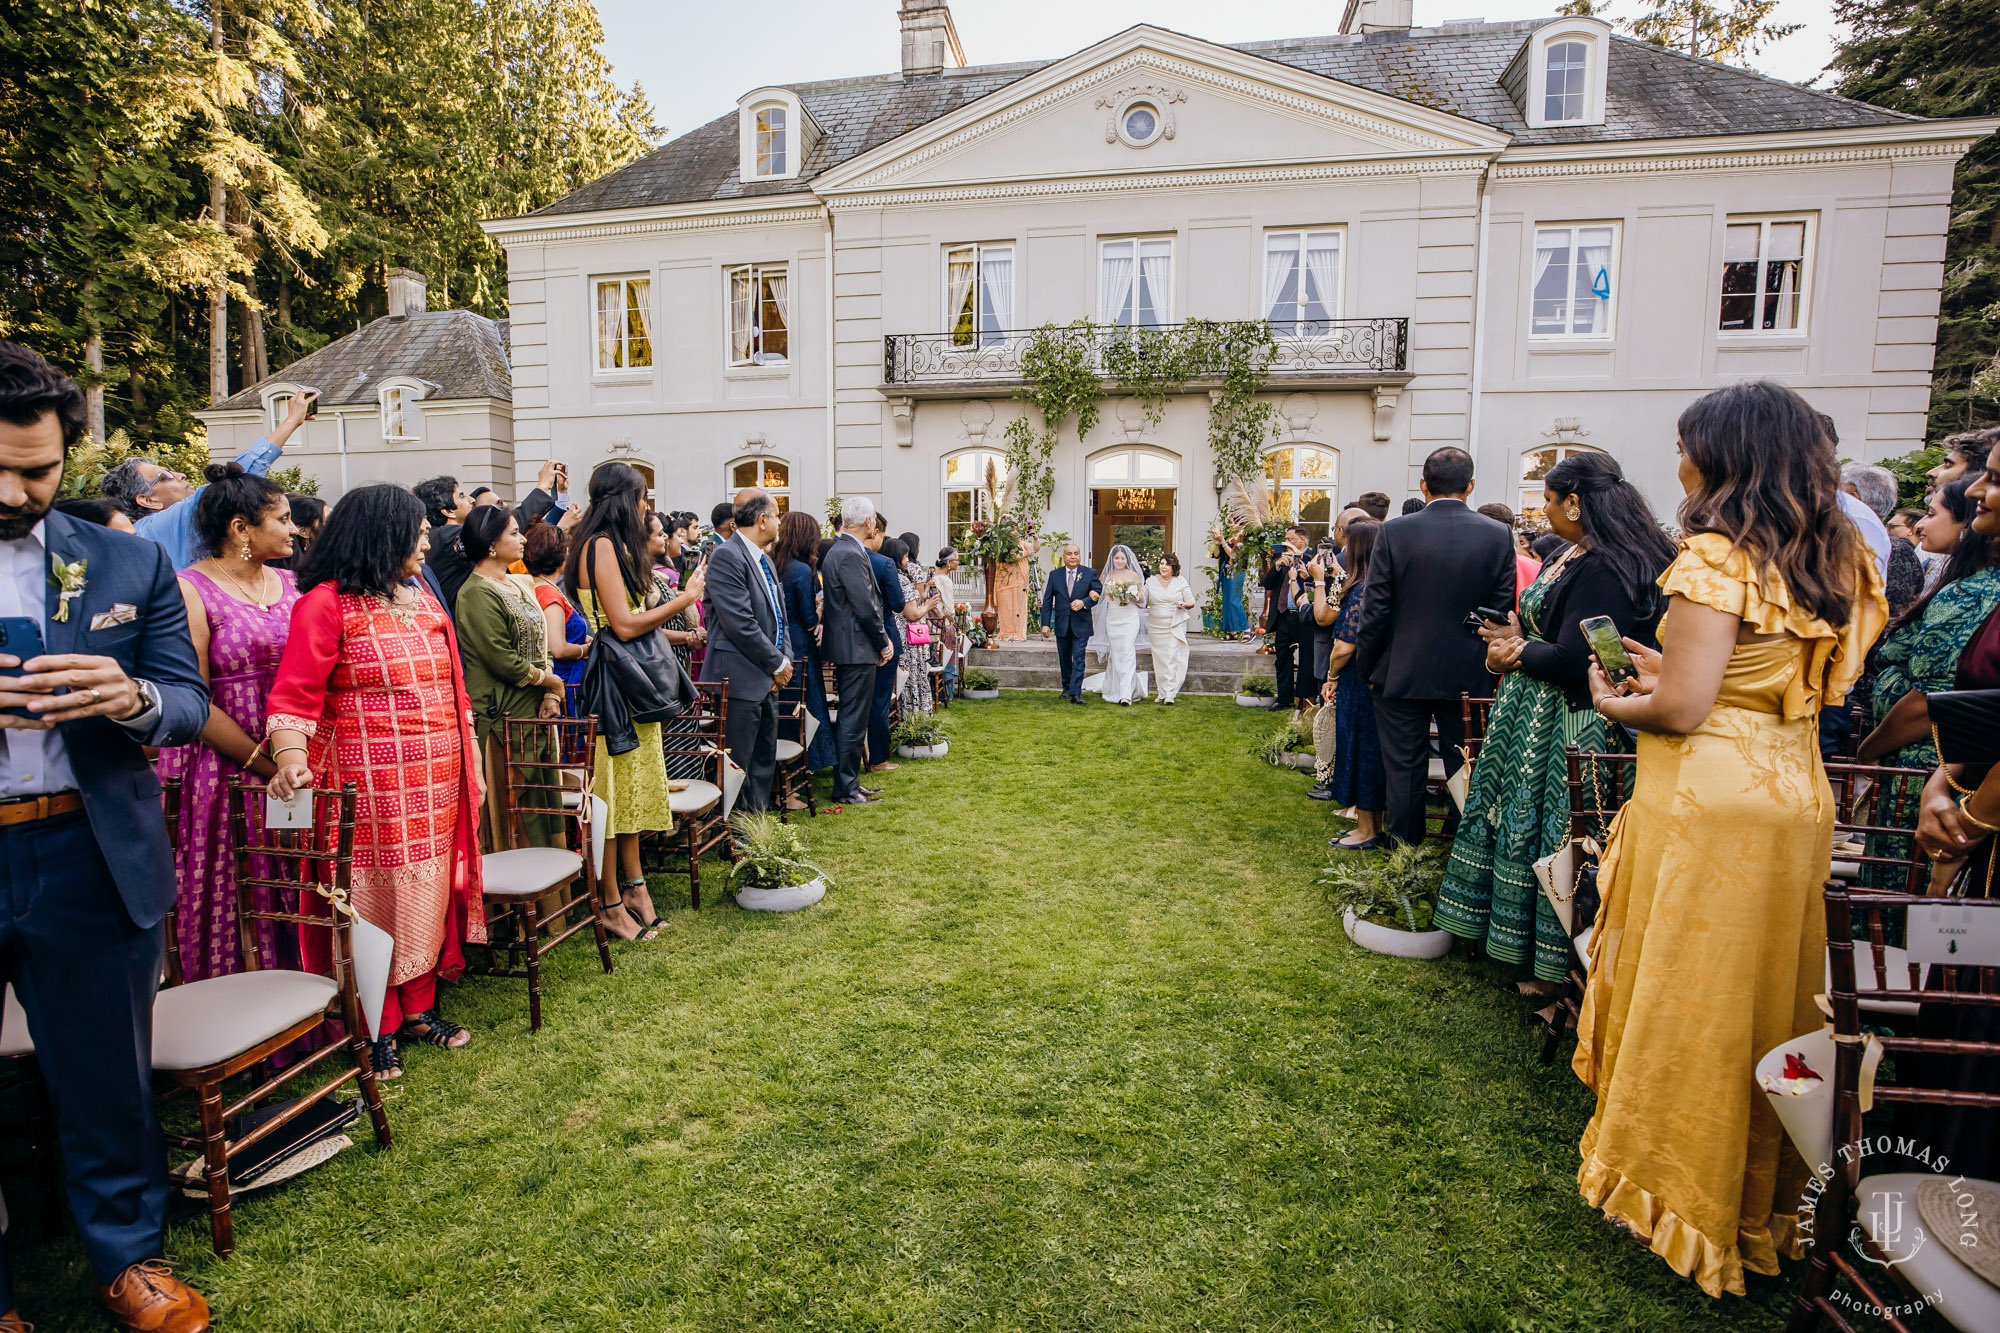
[(20, 637), (1609, 648)]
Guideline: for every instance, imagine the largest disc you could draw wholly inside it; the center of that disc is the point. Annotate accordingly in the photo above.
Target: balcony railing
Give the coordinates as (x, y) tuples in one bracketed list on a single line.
[(1325, 349)]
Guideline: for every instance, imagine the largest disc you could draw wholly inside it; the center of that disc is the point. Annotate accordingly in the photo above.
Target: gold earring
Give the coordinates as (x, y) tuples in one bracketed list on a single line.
[(244, 554), (1573, 511)]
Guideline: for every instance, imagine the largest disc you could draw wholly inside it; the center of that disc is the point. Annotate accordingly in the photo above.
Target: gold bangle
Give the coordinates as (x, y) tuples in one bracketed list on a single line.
[(1965, 809), (255, 754), (285, 749)]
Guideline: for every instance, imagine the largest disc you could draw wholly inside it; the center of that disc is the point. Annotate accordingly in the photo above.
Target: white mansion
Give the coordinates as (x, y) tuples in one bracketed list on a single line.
[(1525, 238)]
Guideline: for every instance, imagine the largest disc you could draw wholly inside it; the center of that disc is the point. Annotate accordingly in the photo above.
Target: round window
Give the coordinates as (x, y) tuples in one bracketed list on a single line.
[(1141, 123)]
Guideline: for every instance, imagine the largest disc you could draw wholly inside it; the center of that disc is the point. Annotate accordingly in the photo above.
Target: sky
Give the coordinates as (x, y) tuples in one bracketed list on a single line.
[(694, 58)]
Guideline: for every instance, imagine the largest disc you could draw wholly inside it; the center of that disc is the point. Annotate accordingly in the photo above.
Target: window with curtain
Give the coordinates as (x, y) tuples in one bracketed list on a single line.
[(1563, 92), (1135, 282), (1302, 281), (760, 316), (979, 293), (965, 496), (770, 474), (1572, 282), (1763, 274), (1303, 480), (396, 415), (624, 323), (770, 128)]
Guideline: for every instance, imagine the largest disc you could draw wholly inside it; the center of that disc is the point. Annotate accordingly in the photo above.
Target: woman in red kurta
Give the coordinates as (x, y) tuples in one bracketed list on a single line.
[(370, 692)]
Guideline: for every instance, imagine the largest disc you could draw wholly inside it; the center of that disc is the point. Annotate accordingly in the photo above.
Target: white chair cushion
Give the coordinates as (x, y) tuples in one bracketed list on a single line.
[(789, 751), (14, 1038), (206, 1022), (697, 798), (1963, 1297), (524, 872)]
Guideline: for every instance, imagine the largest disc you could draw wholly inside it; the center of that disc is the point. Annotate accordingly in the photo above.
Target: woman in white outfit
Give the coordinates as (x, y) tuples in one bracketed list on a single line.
[(1168, 602), (1122, 623)]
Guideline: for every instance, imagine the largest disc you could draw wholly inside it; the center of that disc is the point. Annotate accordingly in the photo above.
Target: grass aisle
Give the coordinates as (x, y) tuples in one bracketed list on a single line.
[(1075, 1045)]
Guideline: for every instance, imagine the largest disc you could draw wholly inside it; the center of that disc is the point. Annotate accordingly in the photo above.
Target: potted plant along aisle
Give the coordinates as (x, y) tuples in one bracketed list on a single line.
[(1290, 746), (1255, 691), (981, 683), (771, 870), (918, 736), (1386, 904)]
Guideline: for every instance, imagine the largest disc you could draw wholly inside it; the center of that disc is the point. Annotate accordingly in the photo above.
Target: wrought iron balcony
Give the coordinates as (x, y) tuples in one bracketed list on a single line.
[(1355, 351)]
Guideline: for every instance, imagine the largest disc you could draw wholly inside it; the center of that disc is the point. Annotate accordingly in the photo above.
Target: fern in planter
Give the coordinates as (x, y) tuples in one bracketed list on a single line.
[(979, 678), (1285, 740), (1258, 687), (771, 854), (1398, 890), (916, 730)]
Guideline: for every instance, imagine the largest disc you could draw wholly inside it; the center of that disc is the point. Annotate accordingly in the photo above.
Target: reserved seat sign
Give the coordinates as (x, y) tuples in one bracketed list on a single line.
[(1961, 933)]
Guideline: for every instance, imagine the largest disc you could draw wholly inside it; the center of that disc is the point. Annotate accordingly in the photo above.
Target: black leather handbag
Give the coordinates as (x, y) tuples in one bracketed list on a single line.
[(628, 682), (1965, 724)]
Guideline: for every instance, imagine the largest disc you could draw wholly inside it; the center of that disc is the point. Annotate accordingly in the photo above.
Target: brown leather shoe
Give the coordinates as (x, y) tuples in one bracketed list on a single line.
[(148, 1298), (11, 1322)]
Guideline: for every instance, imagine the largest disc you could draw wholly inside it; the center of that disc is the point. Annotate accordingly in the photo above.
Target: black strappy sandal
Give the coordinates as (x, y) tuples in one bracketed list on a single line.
[(383, 1057), (648, 930), (433, 1028)]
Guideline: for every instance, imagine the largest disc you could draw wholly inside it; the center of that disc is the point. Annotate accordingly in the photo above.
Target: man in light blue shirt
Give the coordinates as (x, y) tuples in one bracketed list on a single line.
[(160, 501)]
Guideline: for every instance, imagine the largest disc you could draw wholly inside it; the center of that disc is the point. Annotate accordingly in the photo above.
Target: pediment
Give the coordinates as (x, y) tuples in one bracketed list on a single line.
[(1213, 108)]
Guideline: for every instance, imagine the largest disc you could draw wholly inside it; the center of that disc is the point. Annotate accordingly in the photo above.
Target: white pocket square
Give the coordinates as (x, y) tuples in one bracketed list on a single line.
[(121, 613)]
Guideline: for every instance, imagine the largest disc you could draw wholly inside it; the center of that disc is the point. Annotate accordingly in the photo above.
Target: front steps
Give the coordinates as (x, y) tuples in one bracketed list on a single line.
[(1214, 665)]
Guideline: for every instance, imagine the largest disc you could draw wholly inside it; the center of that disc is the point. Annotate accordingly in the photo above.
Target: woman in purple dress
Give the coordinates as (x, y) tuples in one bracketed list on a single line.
[(239, 614)]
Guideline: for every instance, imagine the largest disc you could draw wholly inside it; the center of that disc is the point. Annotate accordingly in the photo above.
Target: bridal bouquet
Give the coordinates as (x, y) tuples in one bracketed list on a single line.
[(1124, 592)]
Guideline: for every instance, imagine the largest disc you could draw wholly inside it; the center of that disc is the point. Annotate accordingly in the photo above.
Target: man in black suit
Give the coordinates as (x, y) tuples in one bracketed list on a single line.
[(744, 612), (855, 640), (1066, 601), (1429, 572), (1291, 619)]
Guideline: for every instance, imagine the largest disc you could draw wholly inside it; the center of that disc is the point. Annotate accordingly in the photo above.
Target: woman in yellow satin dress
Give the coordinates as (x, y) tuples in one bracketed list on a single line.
[(1711, 941)]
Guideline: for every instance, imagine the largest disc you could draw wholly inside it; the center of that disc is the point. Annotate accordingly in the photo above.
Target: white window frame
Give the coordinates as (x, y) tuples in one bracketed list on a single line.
[(396, 400), (1529, 493), (1567, 42), (982, 504), (1279, 487), (782, 494), (801, 133), (1527, 75), (1304, 237), (1807, 267), (759, 359), (1139, 244), (1611, 268), (771, 122), (599, 369), (277, 402), (981, 336)]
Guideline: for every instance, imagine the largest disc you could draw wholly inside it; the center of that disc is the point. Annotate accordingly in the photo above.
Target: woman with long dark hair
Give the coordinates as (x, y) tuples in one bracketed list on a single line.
[(239, 615), (543, 555), (610, 577), (1711, 941), (308, 517), (795, 557), (1358, 779), (370, 692), (1517, 808)]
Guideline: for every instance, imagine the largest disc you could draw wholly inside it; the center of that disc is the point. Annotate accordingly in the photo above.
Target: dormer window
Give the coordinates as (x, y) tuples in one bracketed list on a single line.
[(396, 414), (1563, 89), (770, 141)]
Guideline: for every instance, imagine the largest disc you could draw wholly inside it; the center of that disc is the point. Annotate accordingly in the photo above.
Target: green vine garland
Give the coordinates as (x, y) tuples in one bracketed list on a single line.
[(1064, 378)]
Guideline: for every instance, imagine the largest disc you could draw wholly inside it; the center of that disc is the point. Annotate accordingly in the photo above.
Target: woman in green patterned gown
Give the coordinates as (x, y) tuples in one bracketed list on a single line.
[(1517, 810)]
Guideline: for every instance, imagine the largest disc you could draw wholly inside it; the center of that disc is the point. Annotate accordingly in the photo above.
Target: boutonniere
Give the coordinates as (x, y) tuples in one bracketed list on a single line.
[(68, 578)]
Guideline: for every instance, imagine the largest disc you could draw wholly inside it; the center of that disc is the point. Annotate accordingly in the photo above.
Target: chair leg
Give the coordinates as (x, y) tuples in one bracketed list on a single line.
[(784, 793), (531, 931), (594, 906), (215, 1149), (812, 796), (694, 870)]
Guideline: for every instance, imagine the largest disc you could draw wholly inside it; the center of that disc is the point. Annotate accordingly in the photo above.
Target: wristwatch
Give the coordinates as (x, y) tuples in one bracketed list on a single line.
[(149, 699)]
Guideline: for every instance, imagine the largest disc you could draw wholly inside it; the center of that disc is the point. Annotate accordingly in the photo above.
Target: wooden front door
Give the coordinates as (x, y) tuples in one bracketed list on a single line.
[(1141, 517)]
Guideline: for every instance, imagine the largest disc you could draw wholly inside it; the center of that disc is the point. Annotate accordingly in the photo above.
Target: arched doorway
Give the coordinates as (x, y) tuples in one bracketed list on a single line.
[(1132, 503)]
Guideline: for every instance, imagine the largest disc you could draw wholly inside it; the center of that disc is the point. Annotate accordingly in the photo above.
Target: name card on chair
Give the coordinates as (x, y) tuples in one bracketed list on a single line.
[(1954, 933)]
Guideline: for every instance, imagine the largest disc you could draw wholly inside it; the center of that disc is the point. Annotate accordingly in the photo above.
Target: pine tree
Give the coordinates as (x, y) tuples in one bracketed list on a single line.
[(1942, 58), (1731, 32)]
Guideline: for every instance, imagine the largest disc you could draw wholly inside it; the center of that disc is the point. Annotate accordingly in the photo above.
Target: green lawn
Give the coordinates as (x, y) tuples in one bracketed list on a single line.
[(1076, 1045)]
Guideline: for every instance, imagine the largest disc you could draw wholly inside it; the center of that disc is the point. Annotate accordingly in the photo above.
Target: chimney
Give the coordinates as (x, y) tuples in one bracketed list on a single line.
[(1365, 16), (406, 293), (930, 42)]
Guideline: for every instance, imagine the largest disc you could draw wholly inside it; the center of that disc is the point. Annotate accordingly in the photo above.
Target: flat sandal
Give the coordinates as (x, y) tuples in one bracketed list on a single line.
[(437, 1030)]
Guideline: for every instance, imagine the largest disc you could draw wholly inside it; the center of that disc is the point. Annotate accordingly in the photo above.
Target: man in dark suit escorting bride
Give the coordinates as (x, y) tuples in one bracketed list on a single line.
[(1067, 600)]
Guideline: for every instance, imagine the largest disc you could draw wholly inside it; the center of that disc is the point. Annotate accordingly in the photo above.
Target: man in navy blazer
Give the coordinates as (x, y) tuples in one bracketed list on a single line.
[(744, 611), (1066, 604), (86, 870), (889, 583)]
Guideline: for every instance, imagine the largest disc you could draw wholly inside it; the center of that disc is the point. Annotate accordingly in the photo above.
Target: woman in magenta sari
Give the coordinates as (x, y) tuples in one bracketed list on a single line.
[(240, 615)]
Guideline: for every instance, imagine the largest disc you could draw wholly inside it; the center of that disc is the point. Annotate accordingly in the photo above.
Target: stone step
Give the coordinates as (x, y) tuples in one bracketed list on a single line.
[(1214, 667)]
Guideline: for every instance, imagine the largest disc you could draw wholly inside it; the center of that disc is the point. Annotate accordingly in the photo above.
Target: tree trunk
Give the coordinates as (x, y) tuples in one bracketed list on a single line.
[(218, 291), (256, 356), (93, 360)]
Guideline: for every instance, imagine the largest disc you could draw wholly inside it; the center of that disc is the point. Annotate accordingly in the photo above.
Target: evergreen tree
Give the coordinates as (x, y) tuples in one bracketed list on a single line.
[(1942, 58), (1730, 32)]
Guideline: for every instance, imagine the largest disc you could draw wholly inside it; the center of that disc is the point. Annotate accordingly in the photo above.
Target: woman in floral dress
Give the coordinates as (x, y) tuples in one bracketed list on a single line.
[(918, 604)]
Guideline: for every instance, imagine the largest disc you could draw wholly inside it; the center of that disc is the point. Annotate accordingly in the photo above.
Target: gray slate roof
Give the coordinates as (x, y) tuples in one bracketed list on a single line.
[(463, 353), (1651, 93)]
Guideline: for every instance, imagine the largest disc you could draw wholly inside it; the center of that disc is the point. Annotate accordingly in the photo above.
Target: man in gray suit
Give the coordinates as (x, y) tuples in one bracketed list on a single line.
[(855, 639), (744, 612)]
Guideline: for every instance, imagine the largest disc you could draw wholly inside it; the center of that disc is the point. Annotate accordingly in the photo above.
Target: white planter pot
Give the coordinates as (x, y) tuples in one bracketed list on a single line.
[(1254, 701), (781, 900), (924, 751), (980, 694), (1397, 943), (1305, 761)]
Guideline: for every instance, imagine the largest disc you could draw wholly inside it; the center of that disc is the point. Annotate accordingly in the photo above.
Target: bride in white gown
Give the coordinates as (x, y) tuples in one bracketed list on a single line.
[(1124, 622)]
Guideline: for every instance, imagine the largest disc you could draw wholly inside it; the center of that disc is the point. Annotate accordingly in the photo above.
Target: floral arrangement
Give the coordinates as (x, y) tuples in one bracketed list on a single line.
[(1123, 592)]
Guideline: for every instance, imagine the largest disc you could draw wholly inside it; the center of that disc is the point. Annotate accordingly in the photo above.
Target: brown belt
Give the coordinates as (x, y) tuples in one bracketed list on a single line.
[(28, 809)]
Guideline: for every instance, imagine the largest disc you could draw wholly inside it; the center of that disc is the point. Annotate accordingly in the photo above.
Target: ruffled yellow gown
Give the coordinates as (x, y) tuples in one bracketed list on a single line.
[(1711, 942)]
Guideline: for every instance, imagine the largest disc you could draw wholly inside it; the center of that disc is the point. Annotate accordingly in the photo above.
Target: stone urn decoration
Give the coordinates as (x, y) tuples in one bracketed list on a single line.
[(989, 618)]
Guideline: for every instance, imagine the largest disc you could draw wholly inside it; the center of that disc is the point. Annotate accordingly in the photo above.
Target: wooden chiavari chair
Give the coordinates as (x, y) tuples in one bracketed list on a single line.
[(207, 1032), (1474, 711), (1599, 785), (696, 744), (551, 770), (794, 771)]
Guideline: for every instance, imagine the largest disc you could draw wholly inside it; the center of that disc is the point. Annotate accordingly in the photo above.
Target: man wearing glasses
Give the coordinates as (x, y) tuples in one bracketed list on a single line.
[(160, 501)]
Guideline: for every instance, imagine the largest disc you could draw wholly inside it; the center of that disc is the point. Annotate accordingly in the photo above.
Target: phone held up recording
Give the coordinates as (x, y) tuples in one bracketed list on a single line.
[(1609, 648), (20, 637)]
